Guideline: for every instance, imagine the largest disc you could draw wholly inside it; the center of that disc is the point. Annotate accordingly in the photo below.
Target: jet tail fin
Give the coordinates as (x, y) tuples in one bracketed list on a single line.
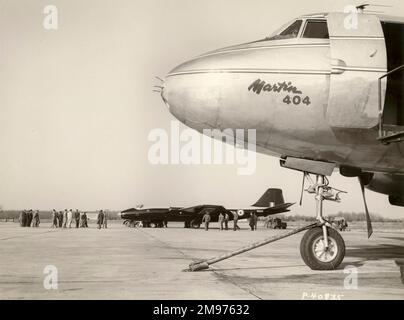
[(272, 197)]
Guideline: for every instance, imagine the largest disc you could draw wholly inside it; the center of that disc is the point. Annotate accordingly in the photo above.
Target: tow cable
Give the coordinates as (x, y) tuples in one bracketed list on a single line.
[(204, 264)]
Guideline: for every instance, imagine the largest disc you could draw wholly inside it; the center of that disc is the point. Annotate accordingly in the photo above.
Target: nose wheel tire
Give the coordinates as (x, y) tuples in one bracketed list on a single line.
[(316, 255)]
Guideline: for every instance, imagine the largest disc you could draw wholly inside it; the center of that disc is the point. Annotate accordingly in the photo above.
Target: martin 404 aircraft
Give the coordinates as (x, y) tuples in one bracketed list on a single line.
[(321, 94), (270, 203)]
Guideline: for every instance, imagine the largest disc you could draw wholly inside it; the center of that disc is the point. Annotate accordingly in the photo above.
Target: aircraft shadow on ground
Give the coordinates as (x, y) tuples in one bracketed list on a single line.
[(378, 252)]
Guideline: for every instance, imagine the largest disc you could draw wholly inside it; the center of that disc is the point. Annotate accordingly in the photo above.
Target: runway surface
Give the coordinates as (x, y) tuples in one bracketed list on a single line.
[(125, 263)]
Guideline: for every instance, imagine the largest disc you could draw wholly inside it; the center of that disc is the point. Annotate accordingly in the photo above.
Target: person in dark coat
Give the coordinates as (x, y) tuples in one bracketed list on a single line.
[(77, 217), (83, 218), (61, 219), (30, 216), (23, 218)]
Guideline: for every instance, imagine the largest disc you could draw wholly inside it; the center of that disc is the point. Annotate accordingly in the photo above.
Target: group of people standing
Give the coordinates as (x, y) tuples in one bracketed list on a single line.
[(223, 221), (29, 218), (62, 219), (78, 219), (67, 218)]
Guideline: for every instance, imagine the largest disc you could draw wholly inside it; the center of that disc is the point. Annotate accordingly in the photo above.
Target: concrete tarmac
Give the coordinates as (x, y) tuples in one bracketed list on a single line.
[(125, 263)]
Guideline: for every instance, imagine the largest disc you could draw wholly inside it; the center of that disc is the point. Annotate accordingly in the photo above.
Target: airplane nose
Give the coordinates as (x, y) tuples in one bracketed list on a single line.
[(213, 91), (191, 97)]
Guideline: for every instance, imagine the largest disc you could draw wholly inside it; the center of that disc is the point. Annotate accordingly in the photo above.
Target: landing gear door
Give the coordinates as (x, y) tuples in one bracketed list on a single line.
[(358, 59)]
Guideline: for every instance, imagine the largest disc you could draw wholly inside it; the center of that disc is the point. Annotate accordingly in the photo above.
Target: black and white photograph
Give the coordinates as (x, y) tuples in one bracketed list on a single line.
[(220, 151)]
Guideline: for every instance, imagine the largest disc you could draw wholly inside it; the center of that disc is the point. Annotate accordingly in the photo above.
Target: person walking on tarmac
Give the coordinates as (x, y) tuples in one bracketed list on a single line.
[(226, 221), (206, 220), (221, 220)]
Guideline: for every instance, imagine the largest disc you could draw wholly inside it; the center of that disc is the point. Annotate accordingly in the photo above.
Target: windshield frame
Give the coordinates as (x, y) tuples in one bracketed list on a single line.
[(278, 31)]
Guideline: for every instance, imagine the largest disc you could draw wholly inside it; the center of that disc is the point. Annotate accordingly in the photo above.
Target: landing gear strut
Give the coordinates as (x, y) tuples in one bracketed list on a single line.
[(322, 247)]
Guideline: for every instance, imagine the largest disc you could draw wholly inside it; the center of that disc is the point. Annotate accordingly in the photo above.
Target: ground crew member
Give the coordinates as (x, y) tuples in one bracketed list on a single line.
[(77, 218), (235, 219), (65, 219), (104, 224), (221, 220), (100, 218), (206, 219), (54, 219), (36, 221), (61, 219), (226, 221)]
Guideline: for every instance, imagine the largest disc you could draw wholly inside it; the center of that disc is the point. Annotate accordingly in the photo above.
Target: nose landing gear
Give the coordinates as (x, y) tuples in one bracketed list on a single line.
[(320, 255), (322, 247)]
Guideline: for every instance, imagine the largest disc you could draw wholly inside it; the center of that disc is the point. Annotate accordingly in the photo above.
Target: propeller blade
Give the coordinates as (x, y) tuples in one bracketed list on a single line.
[(368, 220)]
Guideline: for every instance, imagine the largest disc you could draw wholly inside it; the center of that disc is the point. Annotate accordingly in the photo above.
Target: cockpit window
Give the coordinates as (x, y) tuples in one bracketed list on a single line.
[(290, 32), (316, 29)]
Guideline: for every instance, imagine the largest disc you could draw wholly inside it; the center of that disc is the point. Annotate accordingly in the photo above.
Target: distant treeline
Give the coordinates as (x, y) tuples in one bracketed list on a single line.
[(14, 214), (349, 216)]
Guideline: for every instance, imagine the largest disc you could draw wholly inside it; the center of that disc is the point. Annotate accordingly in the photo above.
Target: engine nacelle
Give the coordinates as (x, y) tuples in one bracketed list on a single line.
[(389, 184), (396, 201)]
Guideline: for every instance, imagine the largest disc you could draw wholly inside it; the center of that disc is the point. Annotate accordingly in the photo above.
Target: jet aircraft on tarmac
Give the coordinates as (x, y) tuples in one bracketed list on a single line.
[(270, 203)]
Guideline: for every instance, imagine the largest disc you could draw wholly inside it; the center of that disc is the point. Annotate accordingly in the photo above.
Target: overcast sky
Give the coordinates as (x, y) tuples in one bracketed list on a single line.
[(76, 104)]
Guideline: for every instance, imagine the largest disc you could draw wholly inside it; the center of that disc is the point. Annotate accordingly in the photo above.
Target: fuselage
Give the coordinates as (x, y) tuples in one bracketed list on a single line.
[(282, 89)]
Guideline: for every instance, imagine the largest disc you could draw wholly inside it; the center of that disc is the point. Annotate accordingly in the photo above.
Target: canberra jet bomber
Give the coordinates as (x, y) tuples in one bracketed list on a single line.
[(270, 203)]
